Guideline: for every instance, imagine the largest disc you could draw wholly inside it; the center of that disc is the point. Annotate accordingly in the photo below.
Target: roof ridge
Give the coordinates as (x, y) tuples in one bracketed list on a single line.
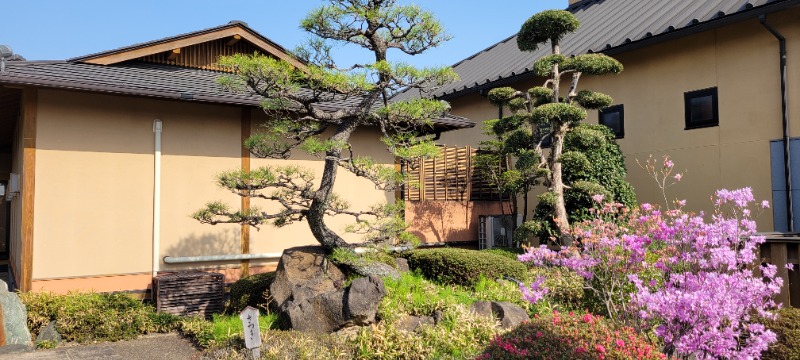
[(580, 3), (230, 24)]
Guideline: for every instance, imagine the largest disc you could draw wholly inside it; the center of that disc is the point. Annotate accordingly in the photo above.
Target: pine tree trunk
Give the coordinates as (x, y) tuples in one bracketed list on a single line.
[(316, 212)]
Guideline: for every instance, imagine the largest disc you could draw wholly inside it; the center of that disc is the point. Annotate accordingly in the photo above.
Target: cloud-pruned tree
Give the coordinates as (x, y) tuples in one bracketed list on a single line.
[(316, 109)]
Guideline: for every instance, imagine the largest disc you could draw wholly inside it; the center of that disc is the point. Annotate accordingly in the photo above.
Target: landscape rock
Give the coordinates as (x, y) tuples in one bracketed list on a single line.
[(15, 320), (323, 313), (308, 293), (483, 308), (362, 299), (49, 333), (510, 315), (378, 269), (402, 264), (348, 333), (438, 316), (302, 273), (411, 323)]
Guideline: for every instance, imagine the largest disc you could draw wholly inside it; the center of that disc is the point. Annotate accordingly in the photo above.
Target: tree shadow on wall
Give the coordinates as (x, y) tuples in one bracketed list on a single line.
[(225, 241), (439, 221)]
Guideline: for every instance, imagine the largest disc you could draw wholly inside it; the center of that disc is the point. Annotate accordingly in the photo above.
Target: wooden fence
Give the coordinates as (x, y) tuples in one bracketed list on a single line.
[(780, 250), (450, 176)]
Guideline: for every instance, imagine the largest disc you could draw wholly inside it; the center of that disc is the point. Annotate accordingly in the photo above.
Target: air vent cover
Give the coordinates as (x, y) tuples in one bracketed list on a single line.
[(191, 293)]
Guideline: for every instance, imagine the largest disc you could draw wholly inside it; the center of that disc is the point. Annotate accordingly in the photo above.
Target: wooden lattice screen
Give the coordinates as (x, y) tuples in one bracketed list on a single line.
[(203, 56), (450, 176)]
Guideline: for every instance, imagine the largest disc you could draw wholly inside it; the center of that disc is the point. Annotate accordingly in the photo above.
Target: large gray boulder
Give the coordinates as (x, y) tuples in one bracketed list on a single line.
[(362, 299), (308, 293), (15, 321), (302, 273), (323, 313)]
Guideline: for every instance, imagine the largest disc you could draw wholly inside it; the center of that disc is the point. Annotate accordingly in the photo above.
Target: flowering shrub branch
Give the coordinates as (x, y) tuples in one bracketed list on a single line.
[(696, 281)]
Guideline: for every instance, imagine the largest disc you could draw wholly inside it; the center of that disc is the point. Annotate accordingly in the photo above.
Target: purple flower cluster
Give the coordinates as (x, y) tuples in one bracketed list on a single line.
[(694, 279)]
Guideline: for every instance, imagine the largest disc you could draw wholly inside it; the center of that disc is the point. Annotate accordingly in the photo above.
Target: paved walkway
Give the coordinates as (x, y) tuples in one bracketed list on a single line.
[(150, 347)]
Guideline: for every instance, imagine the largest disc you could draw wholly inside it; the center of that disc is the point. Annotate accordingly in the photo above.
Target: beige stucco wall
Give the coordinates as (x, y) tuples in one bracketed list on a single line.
[(94, 184), (741, 60)]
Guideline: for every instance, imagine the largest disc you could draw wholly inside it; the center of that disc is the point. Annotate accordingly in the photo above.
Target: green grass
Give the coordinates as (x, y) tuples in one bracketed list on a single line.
[(227, 326), (223, 330)]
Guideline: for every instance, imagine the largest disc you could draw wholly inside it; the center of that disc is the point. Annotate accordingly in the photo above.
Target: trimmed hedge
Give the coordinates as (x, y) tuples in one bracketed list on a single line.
[(508, 252), (787, 327), (250, 291), (463, 267)]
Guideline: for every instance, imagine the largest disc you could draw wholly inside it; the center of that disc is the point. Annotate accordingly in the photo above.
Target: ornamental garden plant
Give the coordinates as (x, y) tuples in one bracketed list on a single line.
[(692, 278)]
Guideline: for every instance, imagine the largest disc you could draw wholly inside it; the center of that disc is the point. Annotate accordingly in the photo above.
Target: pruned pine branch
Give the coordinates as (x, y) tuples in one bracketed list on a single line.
[(379, 24)]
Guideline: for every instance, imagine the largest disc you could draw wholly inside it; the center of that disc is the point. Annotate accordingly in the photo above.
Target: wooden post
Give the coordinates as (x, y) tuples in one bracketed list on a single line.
[(27, 185), (779, 258), (245, 236)]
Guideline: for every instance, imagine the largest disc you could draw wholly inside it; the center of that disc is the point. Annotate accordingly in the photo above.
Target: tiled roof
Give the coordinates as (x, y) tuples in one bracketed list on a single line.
[(609, 26), (231, 24), (153, 80)]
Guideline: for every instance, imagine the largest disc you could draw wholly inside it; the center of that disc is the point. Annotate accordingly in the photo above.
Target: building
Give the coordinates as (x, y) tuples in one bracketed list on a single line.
[(703, 83), (105, 156)]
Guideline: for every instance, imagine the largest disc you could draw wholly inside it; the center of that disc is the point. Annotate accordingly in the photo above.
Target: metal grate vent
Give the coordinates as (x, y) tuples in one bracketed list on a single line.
[(190, 293)]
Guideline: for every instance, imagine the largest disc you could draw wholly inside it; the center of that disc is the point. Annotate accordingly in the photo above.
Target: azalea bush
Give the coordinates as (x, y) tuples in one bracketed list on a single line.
[(692, 278), (570, 336)]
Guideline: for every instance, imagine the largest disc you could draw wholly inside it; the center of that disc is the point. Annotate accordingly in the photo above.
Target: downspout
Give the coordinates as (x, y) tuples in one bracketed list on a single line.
[(787, 165), (157, 197)]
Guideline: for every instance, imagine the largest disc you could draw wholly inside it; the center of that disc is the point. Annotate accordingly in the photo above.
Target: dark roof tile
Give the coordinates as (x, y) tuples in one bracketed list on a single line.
[(154, 80)]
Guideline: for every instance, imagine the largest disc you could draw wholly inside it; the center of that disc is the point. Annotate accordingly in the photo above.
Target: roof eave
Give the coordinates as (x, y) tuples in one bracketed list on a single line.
[(201, 98)]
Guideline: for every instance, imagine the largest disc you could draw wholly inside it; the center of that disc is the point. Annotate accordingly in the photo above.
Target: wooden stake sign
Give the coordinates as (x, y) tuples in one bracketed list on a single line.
[(252, 333)]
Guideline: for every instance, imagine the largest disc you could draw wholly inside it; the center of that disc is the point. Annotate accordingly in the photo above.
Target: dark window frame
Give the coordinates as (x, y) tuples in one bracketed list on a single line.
[(614, 109), (687, 99)]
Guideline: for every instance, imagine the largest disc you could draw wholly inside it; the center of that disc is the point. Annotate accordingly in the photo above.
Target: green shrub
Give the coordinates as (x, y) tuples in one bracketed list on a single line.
[(787, 327), (570, 336), (460, 334), (200, 330), (250, 291), (508, 252), (565, 287), (463, 267), (88, 317)]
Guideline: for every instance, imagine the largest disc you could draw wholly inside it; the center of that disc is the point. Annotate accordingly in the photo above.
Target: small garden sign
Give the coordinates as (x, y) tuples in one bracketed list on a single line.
[(252, 333)]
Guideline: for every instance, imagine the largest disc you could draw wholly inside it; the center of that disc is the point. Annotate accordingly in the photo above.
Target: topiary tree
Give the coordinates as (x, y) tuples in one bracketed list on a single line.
[(593, 165), (301, 104), (542, 114)]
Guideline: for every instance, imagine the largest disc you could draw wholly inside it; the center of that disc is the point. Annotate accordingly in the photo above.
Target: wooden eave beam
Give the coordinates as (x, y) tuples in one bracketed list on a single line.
[(199, 39), (174, 54), (235, 39)]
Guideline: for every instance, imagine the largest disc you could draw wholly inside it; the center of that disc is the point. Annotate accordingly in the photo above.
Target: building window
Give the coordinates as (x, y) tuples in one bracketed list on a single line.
[(702, 108), (614, 118)]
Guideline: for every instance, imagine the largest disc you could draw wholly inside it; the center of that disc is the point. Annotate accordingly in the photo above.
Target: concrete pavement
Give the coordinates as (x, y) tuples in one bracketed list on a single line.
[(150, 347)]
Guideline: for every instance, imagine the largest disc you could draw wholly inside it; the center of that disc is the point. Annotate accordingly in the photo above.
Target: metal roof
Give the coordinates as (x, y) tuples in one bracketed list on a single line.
[(154, 80), (609, 26)]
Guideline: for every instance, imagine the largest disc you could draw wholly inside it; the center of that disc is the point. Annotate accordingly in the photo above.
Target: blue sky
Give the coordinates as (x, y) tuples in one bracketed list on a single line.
[(61, 29)]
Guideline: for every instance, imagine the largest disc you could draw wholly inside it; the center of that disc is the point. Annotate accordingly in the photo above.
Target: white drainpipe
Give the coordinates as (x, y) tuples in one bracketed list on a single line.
[(157, 198)]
